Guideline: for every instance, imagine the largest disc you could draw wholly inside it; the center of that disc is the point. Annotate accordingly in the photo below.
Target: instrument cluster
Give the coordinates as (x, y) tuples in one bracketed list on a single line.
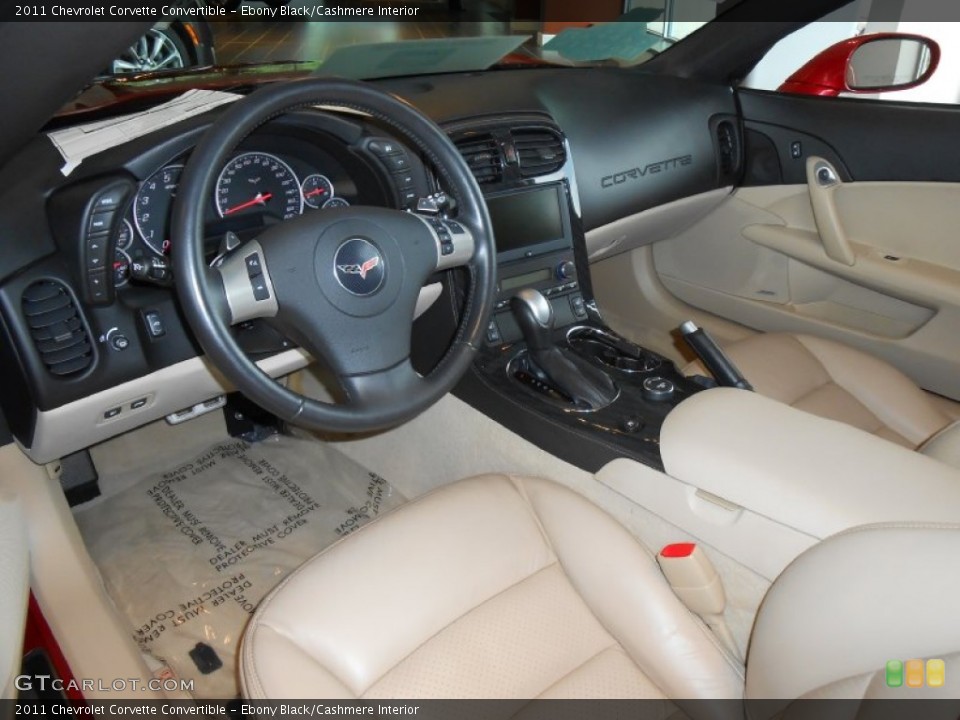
[(254, 189)]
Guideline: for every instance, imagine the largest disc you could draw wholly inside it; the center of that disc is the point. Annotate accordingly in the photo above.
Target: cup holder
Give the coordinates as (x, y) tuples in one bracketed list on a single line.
[(612, 352)]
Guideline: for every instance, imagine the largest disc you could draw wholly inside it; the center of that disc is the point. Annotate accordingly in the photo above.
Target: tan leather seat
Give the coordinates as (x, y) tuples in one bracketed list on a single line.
[(505, 587), (494, 587), (836, 382)]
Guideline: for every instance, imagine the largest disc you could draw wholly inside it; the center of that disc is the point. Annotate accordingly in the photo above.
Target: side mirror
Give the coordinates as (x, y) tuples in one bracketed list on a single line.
[(875, 63)]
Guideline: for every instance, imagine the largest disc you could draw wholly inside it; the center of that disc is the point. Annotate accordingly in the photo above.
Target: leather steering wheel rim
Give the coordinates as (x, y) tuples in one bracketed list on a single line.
[(375, 397)]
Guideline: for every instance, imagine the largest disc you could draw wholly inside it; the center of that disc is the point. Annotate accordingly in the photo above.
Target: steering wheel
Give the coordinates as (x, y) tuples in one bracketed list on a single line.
[(344, 282)]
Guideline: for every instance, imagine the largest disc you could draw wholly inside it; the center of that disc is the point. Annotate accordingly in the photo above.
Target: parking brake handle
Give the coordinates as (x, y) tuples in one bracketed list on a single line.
[(713, 358)]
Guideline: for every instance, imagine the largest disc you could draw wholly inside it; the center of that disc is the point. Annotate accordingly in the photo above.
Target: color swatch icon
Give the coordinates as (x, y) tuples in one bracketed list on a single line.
[(911, 673)]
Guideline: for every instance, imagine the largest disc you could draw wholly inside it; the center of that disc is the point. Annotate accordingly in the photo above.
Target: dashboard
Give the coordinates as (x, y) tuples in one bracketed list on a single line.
[(94, 245)]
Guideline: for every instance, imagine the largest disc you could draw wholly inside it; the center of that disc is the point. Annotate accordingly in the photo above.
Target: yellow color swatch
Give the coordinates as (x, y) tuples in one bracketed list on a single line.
[(936, 673)]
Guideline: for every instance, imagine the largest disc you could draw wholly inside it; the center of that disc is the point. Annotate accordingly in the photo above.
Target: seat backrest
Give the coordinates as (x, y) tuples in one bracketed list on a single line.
[(855, 602)]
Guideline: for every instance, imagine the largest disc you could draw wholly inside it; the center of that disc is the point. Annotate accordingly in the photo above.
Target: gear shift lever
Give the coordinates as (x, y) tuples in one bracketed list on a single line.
[(587, 386), (534, 315)]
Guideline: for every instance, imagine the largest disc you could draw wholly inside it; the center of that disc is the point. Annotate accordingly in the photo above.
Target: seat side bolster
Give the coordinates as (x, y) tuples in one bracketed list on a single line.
[(622, 584), (851, 603)]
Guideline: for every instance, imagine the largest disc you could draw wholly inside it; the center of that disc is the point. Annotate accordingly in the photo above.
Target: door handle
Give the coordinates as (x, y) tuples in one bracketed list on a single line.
[(823, 181)]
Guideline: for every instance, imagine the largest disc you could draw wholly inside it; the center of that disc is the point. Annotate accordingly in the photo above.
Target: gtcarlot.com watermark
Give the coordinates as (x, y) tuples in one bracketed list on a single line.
[(41, 683)]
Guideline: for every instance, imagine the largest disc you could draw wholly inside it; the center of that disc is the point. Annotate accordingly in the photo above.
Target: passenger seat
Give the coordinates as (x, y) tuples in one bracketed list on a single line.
[(840, 383)]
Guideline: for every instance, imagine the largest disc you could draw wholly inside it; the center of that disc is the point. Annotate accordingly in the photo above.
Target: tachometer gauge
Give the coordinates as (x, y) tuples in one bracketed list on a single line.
[(335, 202), (124, 235), (151, 207), (316, 189), (121, 268), (258, 182)]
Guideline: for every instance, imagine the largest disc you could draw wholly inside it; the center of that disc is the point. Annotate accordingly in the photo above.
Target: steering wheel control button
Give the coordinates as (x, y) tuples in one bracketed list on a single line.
[(658, 389), (97, 285), (382, 147), (403, 180), (260, 290), (455, 227), (100, 222), (96, 252), (359, 267), (254, 266)]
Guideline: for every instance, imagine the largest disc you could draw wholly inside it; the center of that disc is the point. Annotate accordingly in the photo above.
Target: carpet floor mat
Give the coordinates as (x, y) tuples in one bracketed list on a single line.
[(187, 554)]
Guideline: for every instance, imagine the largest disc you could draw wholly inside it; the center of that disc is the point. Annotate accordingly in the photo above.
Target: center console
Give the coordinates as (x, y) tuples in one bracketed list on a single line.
[(551, 369)]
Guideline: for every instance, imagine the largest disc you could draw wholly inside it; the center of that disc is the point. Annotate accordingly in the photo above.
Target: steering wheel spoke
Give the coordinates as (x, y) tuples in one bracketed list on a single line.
[(453, 239), (247, 284), (382, 388)]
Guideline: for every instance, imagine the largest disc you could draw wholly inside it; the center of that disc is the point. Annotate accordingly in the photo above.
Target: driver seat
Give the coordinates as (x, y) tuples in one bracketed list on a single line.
[(508, 587)]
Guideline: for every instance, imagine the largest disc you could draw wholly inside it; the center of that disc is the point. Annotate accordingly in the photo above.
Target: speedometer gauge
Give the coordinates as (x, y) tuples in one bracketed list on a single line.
[(151, 207), (258, 182)]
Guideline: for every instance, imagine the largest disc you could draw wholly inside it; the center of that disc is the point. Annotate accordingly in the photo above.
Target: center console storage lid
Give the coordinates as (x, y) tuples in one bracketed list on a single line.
[(814, 475)]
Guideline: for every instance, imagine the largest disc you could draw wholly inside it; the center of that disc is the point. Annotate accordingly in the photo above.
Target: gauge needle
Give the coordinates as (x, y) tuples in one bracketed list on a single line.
[(317, 191), (260, 199)]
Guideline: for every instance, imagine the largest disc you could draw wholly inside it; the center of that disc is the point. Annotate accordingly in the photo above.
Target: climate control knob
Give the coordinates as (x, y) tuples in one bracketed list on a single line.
[(566, 270)]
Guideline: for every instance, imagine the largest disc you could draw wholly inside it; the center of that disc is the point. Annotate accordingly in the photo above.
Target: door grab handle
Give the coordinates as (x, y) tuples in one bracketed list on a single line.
[(823, 181)]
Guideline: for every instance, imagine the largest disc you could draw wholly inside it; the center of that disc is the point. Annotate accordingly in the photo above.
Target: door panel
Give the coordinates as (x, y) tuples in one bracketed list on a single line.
[(876, 266)]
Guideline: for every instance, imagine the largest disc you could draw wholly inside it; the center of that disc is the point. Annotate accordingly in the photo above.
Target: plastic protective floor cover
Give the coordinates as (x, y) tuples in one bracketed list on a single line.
[(188, 554)]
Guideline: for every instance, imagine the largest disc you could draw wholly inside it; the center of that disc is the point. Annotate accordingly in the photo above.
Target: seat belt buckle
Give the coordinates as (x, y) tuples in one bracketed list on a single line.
[(693, 578), (697, 584)]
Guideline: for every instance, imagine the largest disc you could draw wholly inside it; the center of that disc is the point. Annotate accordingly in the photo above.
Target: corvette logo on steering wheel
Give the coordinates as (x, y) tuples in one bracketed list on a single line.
[(360, 270), (359, 267)]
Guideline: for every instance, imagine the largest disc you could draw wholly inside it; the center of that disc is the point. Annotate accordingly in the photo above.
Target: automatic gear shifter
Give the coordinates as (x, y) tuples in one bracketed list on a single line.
[(588, 387)]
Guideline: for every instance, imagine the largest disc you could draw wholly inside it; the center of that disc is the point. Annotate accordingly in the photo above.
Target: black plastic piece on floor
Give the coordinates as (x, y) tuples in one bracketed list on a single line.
[(205, 658), (79, 478), (248, 421)]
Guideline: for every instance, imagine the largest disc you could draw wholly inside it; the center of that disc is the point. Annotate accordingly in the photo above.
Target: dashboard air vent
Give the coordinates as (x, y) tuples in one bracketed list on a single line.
[(540, 151), (58, 332), (482, 153)]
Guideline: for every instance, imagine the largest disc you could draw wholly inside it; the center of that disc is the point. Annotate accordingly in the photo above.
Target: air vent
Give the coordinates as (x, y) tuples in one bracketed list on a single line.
[(728, 147), (540, 151), (482, 153), (58, 333)]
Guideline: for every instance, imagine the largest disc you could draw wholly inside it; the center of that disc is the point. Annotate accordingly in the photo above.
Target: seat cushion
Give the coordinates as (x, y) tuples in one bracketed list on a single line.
[(836, 382), (492, 587)]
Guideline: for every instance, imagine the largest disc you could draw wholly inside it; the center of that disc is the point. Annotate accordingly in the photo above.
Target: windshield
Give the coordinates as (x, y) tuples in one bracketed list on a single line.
[(222, 44), (334, 36)]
